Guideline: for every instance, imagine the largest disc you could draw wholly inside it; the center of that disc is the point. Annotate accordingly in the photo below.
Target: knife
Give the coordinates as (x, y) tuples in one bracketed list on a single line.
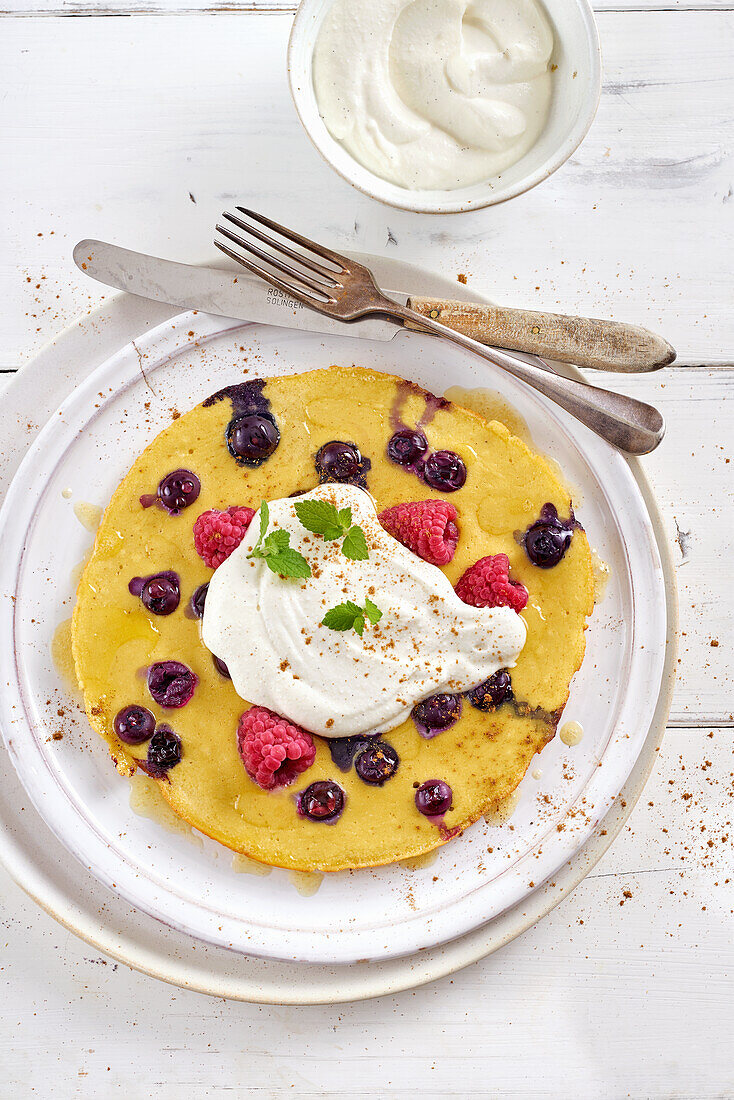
[(586, 342)]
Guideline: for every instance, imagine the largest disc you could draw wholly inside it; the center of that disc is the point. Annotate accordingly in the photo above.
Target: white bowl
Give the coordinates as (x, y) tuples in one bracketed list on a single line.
[(576, 89)]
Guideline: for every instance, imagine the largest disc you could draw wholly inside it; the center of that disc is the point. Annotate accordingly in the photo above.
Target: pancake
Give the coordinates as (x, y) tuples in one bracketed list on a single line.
[(483, 756)]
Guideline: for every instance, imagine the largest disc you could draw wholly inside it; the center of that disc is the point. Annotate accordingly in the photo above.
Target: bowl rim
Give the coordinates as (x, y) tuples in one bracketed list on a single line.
[(413, 201)]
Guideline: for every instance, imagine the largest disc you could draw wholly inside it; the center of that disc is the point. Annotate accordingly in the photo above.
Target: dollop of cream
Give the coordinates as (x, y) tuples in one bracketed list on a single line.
[(267, 629), (434, 94)]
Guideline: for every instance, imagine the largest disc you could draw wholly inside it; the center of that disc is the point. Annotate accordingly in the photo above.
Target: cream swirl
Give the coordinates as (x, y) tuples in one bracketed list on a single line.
[(434, 94), (268, 629)]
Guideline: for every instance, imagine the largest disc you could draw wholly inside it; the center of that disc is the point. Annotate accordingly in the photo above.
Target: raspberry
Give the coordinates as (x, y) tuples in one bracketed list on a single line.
[(217, 534), (427, 527), (487, 584), (273, 750)]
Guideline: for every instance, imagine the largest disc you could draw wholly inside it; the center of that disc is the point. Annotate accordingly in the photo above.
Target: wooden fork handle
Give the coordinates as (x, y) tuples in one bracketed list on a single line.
[(585, 341)]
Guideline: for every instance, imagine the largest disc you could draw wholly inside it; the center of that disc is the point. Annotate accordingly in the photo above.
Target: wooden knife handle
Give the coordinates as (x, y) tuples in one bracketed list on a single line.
[(585, 341)]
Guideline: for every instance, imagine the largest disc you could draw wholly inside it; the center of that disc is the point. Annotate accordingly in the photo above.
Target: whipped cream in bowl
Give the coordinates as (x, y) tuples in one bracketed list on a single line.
[(269, 630), (441, 106), (432, 94)]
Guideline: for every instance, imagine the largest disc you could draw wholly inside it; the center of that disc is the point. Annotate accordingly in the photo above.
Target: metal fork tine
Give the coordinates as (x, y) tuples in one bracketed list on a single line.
[(324, 253), (301, 295), (317, 269), (313, 288)]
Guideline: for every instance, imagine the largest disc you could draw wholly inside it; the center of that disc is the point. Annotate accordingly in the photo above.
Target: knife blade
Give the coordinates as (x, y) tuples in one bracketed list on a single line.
[(216, 290)]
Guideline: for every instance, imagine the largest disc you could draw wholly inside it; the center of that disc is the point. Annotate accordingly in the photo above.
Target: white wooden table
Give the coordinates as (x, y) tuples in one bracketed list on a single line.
[(137, 121)]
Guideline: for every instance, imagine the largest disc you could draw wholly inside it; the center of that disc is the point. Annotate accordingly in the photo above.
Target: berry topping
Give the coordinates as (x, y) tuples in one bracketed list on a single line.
[(171, 683), (252, 438), (487, 584), (445, 471), (322, 801), (407, 446), (217, 534), (427, 527), (548, 539), (198, 601), (273, 750), (491, 693), (377, 764), (436, 713), (164, 750), (338, 461), (178, 490), (221, 667), (433, 798), (134, 724)]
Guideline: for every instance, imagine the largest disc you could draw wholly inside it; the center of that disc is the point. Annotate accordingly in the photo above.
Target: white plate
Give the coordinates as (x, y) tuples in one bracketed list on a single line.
[(368, 914)]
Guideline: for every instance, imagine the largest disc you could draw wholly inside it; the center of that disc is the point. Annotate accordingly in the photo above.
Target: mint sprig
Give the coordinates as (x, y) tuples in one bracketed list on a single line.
[(275, 549), (324, 518), (350, 616)]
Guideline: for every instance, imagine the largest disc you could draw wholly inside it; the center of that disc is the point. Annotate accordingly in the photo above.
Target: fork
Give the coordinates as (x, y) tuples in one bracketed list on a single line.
[(343, 289)]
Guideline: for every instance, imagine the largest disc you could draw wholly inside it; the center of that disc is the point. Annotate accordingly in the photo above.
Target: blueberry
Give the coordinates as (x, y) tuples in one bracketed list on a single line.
[(545, 544), (337, 461), (433, 798), (322, 801), (445, 471), (377, 764), (164, 750), (491, 693), (161, 594), (198, 600), (436, 713), (134, 724), (171, 683), (406, 447), (178, 490), (548, 539), (253, 438), (221, 667)]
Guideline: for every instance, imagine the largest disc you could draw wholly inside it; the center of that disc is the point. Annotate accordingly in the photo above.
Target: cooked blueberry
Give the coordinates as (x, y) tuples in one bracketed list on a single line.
[(161, 594), (253, 438), (546, 543), (198, 600), (436, 713), (322, 801), (221, 667), (445, 471), (178, 490), (171, 683), (433, 798), (164, 749), (377, 764), (134, 724), (407, 446), (338, 461), (491, 693)]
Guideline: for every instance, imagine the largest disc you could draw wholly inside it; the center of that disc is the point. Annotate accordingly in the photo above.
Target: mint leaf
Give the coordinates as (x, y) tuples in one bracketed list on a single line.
[(342, 617), (372, 612), (355, 545), (350, 616), (277, 540), (275, 549), (287, 562), (264, 521), (321, 517)]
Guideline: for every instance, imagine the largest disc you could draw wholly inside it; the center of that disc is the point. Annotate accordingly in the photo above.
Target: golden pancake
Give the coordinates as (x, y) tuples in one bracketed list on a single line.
[(482, 756)]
